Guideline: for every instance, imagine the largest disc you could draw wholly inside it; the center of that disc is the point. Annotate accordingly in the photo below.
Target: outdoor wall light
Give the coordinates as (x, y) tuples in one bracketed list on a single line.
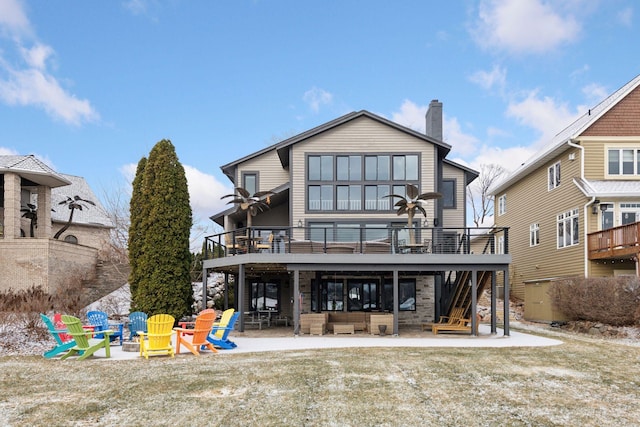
[(299, 223)]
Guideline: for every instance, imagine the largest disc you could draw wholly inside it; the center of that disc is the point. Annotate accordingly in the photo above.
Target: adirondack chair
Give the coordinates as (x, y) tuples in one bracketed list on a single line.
[(219, 335), (57, 322), (84, 345), (64, 341), (198, 334), (100, 321), (137, 322), (457, 325), (157, 340), (456, 313)]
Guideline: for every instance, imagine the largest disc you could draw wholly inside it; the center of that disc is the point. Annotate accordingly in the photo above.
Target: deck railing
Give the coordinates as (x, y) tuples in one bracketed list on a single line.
[(356, 240), (614, 242)]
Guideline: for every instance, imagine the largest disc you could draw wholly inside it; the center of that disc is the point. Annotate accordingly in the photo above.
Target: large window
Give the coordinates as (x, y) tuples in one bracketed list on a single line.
[(568, 229), (623, 161), (358, 182), (554, 176), (362, 295), (406, 292), (264, 296), (331, 295)]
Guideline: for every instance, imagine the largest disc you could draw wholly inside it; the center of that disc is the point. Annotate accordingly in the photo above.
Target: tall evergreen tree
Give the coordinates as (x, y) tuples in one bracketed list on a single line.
[(137, 212), (163, 264)]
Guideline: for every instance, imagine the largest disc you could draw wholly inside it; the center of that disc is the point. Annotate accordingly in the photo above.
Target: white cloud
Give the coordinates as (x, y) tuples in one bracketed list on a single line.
[(509, 158), (205, 192), (316, 97), (32, 84), (411, 115), (544, 114), (625, 17), (13, 20), (496, 78), (595, 93), (524, 26)]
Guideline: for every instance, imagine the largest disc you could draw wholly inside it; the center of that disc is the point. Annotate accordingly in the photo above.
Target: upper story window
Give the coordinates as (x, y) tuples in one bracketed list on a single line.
[(623, 161), (250, 182), (320, 168), (534, 234), (449, 193), (357, 182), (554, 176), (502, 204), (568, 228), (349, 168)]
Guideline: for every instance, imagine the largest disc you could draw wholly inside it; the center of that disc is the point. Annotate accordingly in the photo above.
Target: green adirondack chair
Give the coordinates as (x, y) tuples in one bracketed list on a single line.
[(85, 345), (58, 335)]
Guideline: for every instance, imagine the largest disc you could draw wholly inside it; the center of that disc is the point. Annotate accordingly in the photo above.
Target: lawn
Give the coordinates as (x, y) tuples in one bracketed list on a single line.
[(584, 382)]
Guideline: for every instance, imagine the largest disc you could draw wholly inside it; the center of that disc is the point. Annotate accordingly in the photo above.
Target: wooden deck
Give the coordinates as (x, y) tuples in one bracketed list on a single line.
[(616, 242)]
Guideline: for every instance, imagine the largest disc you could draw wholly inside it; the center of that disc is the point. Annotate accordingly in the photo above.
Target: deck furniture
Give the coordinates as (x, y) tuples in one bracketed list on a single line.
[(343, 329), (100, 321), (84, 345), (64, 341), (137, 322), (376, 320), (199, 333), (219, 335), (455, 314), (307, 319), (157, 340)]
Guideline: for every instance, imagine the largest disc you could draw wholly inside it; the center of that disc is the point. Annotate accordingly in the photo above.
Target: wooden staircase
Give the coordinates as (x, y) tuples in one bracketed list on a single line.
[(462, 295)]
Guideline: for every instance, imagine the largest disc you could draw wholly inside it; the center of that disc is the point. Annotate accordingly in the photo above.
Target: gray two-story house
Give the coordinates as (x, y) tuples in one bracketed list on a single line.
[(327, 236)]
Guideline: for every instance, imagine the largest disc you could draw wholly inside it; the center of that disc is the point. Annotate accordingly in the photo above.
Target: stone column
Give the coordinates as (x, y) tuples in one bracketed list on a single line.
[(44, 213), (11, 206)]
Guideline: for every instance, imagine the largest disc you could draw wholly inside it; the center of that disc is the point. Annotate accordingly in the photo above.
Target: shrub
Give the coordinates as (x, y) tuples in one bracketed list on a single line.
[(611, 300)]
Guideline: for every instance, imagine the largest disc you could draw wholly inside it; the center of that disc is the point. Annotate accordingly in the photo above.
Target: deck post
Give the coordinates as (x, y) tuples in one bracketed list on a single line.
[(296, 302), (494, 315), (474, 301), (506, 302), (396, 303), (240, 295)]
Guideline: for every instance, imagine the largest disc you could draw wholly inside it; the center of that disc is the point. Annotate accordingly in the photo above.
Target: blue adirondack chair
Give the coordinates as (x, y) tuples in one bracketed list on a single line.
[(219, 335), (58, 335), (100, 321), (137, 322)]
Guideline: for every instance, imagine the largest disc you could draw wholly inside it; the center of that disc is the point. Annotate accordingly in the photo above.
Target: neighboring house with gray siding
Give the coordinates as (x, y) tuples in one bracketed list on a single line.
[(573, 209)]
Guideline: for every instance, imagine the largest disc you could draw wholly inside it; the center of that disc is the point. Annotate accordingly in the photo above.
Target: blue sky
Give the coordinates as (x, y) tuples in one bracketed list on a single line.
[(90, 87)]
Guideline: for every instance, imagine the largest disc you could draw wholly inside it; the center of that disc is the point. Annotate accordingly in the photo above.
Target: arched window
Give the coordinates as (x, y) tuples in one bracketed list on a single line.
[(70, 238)]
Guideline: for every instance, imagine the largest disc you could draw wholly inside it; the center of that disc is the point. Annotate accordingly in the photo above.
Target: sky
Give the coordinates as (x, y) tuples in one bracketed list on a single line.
[(91, 87)]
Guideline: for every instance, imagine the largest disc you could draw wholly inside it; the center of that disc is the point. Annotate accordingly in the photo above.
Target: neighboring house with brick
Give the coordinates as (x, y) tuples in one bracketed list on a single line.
[(573, 209), (331, 242), (30, 196)]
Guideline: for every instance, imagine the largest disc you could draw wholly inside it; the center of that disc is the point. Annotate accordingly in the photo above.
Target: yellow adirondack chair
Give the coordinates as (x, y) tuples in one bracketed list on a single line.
[(199, 333), (456, 313), (224, 321), (85, 345), (157, 340)]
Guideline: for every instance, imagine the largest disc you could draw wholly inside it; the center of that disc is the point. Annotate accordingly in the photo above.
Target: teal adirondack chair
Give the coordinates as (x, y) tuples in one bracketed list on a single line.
[(85, 345), (137, 322), (58, 335)]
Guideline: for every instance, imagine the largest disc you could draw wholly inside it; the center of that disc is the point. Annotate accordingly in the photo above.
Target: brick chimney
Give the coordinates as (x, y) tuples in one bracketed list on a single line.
[(434, 120)]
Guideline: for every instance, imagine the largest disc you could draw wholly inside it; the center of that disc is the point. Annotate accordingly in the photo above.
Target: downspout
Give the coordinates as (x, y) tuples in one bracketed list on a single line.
[(586, 208)]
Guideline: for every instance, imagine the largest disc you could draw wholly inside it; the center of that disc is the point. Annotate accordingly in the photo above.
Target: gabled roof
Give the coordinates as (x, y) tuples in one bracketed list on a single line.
[(283, 147), (469, 173), (32, 169), (78, 186), (560, 142)]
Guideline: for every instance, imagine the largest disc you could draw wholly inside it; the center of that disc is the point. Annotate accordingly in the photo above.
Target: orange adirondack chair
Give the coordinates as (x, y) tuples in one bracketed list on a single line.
[(199, 333)]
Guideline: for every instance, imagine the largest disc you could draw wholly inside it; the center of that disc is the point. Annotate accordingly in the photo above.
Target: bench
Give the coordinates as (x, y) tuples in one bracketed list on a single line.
[(356, 318)]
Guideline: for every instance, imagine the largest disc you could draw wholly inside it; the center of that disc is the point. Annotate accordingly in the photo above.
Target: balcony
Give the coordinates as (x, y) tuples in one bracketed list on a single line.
[(356, 241), (616, 242)]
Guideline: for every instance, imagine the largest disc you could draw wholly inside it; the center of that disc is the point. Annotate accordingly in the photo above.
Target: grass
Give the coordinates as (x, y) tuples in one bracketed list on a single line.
[(584, 382)]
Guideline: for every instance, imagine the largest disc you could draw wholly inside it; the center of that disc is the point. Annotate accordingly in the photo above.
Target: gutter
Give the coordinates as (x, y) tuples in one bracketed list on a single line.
[(586, 207)]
